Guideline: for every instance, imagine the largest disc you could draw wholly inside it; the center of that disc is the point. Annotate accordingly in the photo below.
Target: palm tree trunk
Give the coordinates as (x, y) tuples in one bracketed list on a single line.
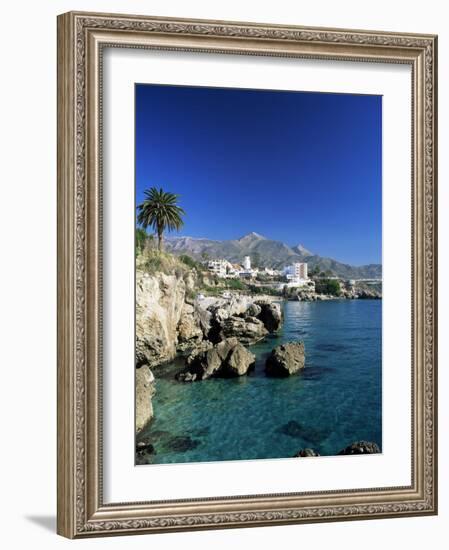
[(159, 239)]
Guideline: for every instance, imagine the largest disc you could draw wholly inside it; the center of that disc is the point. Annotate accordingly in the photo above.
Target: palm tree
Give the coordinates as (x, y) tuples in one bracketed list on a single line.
[(160, 211)]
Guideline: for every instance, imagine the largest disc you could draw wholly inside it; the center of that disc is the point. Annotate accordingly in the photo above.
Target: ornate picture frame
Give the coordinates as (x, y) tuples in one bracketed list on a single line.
[(82, 38)]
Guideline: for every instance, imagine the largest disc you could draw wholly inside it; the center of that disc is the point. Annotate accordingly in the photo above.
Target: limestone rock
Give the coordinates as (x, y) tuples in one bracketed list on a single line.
[(144, 392), (159, 306), (360, 448), (253, 310), (227, 358), (307, 452), (239, 361), (270, 315), (248, 330), (285, 359), (189, 329)]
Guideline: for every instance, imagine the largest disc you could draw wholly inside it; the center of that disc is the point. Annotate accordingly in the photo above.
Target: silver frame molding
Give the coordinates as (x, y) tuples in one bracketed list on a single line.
[(81, 39)]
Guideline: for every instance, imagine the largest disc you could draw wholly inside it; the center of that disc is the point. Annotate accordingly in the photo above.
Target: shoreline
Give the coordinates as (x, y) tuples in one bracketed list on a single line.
[(290, 425)]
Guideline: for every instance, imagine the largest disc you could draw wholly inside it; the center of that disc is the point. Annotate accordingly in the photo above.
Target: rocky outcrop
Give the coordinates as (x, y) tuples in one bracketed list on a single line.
[(360, 448), (303, 453), (368, 294), (239, 361), (144, 392), (286, 359), (248, 330), (159, 305), (228, 358), (351, 291), (189, 330), (144, 446), (242, 317), (270, 315)]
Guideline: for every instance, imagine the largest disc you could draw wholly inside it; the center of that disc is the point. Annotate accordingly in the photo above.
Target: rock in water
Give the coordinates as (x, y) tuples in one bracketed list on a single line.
[(248, 330), (185, 376), (360, 448), (270, 315), (239, 361), (144, 392), (302, 453), (227, 358), (253, 310), (144, 446), (240, 316), (285, 359)]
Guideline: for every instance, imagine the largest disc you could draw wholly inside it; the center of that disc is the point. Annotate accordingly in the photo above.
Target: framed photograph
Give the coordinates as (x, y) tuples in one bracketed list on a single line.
[(247, 283)]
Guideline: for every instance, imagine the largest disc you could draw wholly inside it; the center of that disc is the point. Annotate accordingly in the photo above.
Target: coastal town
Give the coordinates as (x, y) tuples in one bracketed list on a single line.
[(290, 278), (295, 274)]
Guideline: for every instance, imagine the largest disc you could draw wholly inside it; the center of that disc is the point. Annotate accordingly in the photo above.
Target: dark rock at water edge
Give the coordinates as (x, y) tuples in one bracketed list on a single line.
[(242, 317), (307, 452), (248, 330), (270, 315), (228, 358), (360, 448), (285, 360), (144, 445), (186, 376)]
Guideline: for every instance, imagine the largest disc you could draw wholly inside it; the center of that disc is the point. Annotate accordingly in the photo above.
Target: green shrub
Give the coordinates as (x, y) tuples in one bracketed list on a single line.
[(235, 284), (265, 290), (152, 261), (189, 261), (328, 286)]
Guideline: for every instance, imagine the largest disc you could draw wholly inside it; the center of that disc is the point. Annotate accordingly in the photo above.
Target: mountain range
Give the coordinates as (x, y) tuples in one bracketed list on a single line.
[(267, 253)]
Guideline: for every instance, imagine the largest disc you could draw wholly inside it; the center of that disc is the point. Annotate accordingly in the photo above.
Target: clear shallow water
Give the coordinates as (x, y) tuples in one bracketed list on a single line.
[(334, 402)]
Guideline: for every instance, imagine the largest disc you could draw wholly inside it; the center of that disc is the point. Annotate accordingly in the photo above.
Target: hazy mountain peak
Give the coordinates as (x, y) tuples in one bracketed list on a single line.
[(251, 236), (302, 250)]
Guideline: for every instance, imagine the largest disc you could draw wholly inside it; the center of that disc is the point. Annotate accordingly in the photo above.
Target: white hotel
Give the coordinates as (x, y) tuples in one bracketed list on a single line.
[(219, 267), (297, 275)]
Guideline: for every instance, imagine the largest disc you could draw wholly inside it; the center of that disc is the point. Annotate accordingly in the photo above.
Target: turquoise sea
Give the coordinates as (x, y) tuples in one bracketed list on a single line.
[(335, 401)]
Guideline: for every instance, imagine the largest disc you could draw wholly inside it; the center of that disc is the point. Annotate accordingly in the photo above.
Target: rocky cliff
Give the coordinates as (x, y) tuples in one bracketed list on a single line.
[(170, 320)]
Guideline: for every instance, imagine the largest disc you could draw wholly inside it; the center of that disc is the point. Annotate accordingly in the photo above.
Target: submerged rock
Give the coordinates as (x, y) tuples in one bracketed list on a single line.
[(227, 358), (185, 376), (360, 448), (292, 428), (307, 452), (285, 359), (182, 443)]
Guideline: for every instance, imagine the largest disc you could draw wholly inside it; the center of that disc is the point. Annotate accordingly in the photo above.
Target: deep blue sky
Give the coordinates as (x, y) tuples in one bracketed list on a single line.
[(298, 167)]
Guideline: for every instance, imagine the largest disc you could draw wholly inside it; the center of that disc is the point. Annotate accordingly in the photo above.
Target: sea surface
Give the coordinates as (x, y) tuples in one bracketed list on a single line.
[(335, 401)]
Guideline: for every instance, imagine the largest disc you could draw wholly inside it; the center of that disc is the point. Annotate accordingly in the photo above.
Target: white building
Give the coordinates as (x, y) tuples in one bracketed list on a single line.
[(297, 274), (247, 263), (219, 267), (300, 271)]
